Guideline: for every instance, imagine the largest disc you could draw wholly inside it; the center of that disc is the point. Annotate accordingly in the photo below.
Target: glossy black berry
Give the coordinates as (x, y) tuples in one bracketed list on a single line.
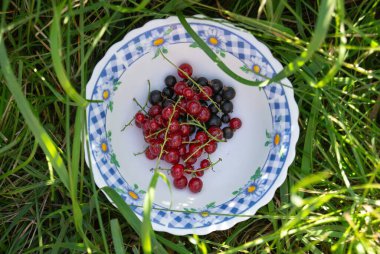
[(217, 98), (213, 109), (167, 92), (167, 102), (227, 107), (214, 121), (202, 81), (175, 97), (225, 118), (155, 97), (228, 132), (216, 85), (170, 81), (228, 93)]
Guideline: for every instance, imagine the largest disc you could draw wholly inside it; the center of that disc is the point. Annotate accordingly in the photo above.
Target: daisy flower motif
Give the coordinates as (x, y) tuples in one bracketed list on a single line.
[(215, 40), (203, 215), (106, 91), (259, 67), (275, 140), (133, 195), (103, 150), (255, 188), (159, 41)]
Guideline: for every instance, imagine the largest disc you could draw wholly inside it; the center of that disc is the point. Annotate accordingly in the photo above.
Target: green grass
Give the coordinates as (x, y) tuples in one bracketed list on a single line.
[(331, 198)]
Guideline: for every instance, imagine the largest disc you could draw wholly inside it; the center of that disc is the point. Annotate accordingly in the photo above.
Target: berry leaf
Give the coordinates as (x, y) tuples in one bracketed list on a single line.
[(267, 143), (267, 134), (164, 50)]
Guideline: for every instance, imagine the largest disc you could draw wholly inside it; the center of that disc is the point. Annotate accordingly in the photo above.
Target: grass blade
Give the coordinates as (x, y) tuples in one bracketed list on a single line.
[(117, 237)]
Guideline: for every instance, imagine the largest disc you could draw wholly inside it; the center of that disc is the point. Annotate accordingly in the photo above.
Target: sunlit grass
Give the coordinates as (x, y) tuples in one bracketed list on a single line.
[(330, 200)]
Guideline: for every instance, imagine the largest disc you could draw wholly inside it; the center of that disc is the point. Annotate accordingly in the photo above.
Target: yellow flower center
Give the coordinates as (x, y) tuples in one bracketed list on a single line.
[(277, 139), (204, 214), (158, 42), (106, 94), (133, 195), (104, 147), (256, 68), (213, 40), (251, 188)]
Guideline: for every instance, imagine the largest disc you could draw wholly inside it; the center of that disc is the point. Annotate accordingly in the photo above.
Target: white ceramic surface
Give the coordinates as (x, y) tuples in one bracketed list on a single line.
[(254, 162)]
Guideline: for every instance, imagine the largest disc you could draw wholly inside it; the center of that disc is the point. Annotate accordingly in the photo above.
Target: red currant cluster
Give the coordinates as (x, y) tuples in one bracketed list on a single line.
[(179, 111)]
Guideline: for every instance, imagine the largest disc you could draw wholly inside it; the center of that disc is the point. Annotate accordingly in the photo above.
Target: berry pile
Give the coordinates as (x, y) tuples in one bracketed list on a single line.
[(184, 121)]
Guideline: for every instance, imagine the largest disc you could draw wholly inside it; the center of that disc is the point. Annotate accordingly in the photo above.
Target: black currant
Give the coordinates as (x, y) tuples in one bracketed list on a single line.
[(167, 102), (167, 92), (214, 120), (225, 118), (227, 107), (228, 132), (217, 98), (228, 93), (213, 109), (202, 81), (155, 97), (216, 85), (170, 81)]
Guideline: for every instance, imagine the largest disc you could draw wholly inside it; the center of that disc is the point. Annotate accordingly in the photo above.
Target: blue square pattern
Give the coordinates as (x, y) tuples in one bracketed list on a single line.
[(235, 45)]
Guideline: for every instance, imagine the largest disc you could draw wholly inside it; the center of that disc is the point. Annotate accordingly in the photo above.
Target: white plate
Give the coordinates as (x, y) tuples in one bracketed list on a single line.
[(254, 162)]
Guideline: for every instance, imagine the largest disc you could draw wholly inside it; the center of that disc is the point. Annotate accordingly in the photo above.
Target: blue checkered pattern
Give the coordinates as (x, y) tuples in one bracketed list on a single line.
[(142, 44)]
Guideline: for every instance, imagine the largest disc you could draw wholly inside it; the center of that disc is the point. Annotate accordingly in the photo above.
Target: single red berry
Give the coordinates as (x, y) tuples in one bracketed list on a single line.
[(196, 97), (154, 110), (199, 172), (175, 140), (205, 163), (201, 137), (185, 68), (205, 93), (180, 183), (174, 126), (195, 185), (211, 147), (146, 125), (139, 119), (216, 132), (182, 150), (195, 150), (182, 106), (190, 159), (204, 115), (155, 147), (159, 120), (149, 155), (235, 123), (189, 169), (161, 135), (185, 129), (188, 93), (168, 111), (193, 107), (179, 86), (148, 137), (153, 125), (177, 171), (172, 156)]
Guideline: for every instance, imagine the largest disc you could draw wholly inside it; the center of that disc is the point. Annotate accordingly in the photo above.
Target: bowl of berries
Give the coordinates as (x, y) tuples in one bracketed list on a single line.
[(160, 104)]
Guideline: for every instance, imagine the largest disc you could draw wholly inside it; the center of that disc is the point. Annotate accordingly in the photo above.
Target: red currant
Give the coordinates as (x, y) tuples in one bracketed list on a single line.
[(139, 119), (205, 163), (205, 93), (154, 110), (179, 86), (185, 68), (189, 168), (159, 120), (201, 137), (195, 185), (180, 183), (155, 147), (149, 155), (211, 147), (235, 123), (168, 111), (172, 156), (195, 150), (182, 150), (204, 115), (193, 107), (216, 132), (174, 126), (175, 140), (185, 129), (199, 172), (177, 171), (153, 125), (188, 93)]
